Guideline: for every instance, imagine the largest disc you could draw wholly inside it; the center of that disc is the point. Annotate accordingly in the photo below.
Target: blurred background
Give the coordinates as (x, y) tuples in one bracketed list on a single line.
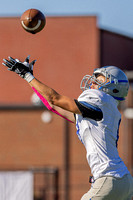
[(41, 157)]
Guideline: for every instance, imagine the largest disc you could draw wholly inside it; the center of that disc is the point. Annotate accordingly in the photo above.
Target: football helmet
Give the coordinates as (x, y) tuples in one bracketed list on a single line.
[(116, 82)]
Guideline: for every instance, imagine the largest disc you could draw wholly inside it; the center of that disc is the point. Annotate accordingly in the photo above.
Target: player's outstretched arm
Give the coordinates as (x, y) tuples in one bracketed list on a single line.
[(55, 109), (55, 98), (25, 70)]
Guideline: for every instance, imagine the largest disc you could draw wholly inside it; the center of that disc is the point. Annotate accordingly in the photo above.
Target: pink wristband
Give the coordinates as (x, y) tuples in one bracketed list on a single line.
[(45, 102)]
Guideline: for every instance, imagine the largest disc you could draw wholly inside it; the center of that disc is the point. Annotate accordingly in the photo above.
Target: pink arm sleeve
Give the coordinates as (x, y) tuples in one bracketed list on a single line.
[(45, 102)]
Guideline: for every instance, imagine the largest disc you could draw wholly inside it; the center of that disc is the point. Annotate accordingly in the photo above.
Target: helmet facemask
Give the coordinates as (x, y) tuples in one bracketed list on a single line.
[(88, 80)]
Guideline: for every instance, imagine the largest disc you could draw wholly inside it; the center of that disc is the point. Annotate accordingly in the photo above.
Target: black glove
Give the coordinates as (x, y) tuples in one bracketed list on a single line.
[(20, 68)]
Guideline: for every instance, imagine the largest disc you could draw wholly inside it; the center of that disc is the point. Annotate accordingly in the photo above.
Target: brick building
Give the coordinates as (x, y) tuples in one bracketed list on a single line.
[(66, 50)]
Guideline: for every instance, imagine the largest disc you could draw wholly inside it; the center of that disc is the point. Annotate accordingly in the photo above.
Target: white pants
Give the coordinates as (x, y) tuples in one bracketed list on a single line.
[(111, 188)]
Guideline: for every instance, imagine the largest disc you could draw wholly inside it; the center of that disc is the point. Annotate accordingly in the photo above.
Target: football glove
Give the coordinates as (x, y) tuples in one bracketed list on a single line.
[(25, 69)]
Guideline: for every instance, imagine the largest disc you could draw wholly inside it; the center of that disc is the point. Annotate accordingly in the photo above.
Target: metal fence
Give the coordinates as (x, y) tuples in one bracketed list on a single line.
[(32, 184)]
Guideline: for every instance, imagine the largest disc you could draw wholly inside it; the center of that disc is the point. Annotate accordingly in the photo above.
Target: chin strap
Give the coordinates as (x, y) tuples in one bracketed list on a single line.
[(45, 102)]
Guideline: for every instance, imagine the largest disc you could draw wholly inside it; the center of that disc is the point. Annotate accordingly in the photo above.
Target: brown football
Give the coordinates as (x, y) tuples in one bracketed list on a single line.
[(33, 20)]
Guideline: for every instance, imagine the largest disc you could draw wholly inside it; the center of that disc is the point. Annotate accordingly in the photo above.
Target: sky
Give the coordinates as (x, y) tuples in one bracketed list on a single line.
[(112, 15)]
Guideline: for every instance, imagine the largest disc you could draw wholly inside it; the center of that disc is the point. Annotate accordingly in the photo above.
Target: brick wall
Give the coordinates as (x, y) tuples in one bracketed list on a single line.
[(66, 50)]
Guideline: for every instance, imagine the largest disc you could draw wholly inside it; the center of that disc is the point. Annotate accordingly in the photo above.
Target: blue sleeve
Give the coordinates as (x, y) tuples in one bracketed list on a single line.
[(89, 110)]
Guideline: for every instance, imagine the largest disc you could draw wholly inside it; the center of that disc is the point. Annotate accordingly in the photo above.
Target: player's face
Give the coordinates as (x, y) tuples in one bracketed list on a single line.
[(100, 79)]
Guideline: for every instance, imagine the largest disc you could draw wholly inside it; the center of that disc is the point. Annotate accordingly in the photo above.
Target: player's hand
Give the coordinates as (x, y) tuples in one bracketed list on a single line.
[(29, 65), (18, 67)]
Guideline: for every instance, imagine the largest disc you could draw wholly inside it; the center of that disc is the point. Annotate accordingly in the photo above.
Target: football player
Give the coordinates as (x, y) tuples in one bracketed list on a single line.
[(97, 120)]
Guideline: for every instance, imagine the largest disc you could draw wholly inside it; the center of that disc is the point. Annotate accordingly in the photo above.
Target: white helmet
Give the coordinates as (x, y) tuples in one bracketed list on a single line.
[(117, 86)]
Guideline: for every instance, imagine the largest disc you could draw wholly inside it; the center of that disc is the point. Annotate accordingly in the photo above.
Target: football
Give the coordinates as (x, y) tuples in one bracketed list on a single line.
[(33, 20)]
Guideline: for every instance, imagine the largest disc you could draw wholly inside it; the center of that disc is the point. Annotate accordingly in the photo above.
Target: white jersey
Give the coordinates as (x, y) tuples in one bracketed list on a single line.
[(100, 137)]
